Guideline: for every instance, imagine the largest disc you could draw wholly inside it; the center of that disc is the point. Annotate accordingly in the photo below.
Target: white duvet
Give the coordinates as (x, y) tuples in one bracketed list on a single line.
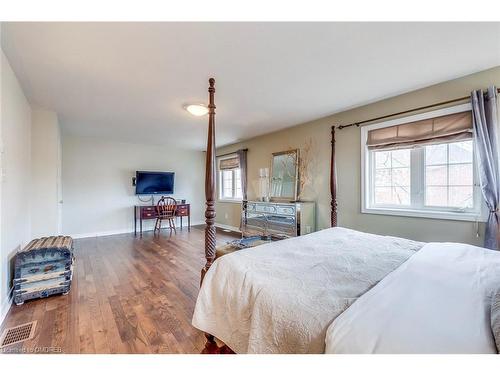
[(282, 297), (439, 301)]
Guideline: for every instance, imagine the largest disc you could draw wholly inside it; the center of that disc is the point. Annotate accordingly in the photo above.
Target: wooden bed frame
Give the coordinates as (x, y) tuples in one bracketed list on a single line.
[(211, 346)]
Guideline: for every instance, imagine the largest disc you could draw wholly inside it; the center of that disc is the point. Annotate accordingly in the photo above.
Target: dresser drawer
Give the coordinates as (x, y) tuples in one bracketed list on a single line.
[(148, 209), (251, 207), (148, 214), (182, 212), (285, 210), (266, 208)]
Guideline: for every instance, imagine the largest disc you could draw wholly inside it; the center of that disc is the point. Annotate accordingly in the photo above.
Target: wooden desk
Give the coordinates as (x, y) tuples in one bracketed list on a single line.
[(149, 213)]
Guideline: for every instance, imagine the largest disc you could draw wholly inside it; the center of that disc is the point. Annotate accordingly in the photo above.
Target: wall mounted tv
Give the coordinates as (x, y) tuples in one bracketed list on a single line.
[(148, 183)]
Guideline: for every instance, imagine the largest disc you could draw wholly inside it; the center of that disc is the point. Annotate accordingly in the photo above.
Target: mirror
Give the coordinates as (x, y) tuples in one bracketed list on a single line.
[(284, 171)]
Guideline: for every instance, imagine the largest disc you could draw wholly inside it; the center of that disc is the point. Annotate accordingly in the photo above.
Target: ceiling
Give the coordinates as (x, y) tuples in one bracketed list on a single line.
[(130, 81)]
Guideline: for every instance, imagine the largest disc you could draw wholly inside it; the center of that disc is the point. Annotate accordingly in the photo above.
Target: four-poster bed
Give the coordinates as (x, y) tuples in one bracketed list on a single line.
[(308, 294), (397, 252)]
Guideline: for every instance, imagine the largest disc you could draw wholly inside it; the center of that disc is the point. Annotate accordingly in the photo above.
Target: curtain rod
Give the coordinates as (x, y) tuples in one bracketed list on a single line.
[(407, 111), (230, 153)]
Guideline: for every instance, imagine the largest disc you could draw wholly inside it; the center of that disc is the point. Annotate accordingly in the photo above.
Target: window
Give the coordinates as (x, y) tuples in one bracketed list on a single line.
[(449, 173), (229, 179), (430, 177), (392, 184)]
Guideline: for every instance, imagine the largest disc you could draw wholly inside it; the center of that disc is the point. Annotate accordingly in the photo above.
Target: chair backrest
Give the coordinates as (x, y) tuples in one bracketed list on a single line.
[(166, 207)]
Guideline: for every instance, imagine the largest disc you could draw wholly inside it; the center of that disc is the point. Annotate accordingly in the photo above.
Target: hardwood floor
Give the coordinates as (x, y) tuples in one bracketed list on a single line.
[(129, 295)]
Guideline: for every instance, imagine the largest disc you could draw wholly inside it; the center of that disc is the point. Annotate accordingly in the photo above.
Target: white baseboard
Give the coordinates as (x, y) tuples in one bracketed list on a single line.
[(228, 227), (120, 231), (100, 234), (4, 309)]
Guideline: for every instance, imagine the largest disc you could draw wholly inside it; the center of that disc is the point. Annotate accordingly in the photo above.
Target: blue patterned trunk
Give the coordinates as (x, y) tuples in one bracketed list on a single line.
[(43, 268)]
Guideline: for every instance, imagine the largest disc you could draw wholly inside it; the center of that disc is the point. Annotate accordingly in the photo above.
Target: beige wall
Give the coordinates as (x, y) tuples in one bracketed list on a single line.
[(46, 173), (98, 196), (348, 165), (15, 176)]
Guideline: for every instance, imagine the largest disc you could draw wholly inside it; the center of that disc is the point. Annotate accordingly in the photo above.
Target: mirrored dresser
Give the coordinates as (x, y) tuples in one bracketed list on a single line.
[(276, 219)]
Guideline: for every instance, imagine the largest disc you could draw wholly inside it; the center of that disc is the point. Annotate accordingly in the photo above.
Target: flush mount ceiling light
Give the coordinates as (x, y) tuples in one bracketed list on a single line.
[(197, 109)]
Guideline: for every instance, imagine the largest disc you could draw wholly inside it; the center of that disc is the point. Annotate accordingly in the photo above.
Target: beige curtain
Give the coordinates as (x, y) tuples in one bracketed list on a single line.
[(449, 128)]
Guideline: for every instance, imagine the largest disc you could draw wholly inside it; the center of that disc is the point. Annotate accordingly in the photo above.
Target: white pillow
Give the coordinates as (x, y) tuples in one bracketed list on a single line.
[(438, 301)]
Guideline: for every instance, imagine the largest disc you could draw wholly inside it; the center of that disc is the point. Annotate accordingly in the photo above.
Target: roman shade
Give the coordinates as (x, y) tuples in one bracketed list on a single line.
[(229, 163), (443, 129)]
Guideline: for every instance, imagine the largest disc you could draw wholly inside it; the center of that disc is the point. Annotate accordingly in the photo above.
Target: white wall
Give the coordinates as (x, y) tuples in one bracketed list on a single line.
[(46, 173), (16, 175), (97, 176)]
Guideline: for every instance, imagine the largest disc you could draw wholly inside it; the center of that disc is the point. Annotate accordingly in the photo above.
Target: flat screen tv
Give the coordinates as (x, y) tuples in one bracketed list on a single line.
[(148, 183)]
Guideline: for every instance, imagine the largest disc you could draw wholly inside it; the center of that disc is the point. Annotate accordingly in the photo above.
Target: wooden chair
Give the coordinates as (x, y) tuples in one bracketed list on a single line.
[(165, 209)]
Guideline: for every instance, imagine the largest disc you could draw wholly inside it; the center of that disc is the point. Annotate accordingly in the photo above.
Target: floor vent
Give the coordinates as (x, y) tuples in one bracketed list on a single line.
[(17, 334)]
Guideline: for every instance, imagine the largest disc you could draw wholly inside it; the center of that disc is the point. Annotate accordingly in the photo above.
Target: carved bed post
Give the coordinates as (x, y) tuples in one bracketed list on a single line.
[(210, 238), (333, 183)]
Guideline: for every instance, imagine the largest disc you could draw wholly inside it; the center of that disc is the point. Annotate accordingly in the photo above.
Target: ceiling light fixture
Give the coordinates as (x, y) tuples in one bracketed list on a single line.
[(197, 109)]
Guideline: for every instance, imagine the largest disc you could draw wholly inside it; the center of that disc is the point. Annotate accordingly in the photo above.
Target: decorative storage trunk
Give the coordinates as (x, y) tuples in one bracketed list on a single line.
[(43, 268)]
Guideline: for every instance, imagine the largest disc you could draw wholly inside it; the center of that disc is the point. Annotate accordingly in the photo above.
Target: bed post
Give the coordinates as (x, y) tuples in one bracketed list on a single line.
[(333, 183), (210, 183), (210, 239)]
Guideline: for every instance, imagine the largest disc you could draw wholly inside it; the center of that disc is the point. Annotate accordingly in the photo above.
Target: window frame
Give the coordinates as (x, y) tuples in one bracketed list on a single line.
[(417, 164), (220, 183)]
